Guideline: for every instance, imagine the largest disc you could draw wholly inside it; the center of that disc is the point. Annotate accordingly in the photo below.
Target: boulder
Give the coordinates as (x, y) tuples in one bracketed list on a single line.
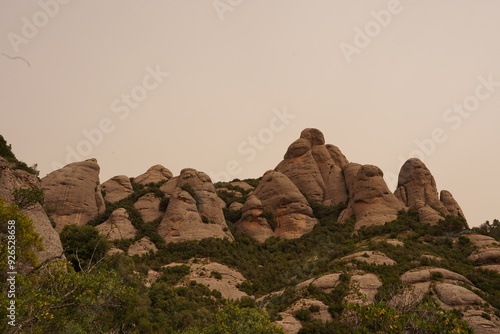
[(235, 206), (315, 168), (118, 226), (148, 206), (363, 288), (117, 188), (277, 195), (74, 192), (154, 174), (251, 222), (142, 247), (370, 200), (417, 190), (455, 295)]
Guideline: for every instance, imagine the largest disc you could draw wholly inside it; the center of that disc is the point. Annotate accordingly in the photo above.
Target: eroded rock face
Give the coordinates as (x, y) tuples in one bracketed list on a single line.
[(450, 293), (451, 204), (74, 192), (291, 325), (315, 168), (11, 179), (154, 174), (117, 188), (251, 222), (277, 195), (142, 247), (194, 213), (486, 255), (417, 190), (226, 283), (326, 282), (425, 275), (148, 206), (118, 226), (370, 200), (364, 287)]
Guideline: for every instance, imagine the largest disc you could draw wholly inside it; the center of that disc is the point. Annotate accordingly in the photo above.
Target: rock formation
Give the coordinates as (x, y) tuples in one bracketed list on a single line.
[(142, 247), (148, 206), (155, 174), (118, 226), (316, 168), (417, 190), (370, 200), (194, 211), (11, 179), (452, 293), (117, 188), (290, 213), (74, 192), (377, 258)]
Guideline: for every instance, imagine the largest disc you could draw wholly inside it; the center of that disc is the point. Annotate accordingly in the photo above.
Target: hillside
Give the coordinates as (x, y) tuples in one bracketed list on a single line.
[(318, 244)]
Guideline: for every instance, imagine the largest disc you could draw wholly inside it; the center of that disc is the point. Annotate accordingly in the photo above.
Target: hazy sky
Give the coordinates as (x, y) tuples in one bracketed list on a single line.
[(225, 86)]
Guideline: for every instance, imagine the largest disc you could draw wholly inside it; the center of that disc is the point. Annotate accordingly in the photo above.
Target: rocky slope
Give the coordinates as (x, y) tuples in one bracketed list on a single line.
[(304, 242)]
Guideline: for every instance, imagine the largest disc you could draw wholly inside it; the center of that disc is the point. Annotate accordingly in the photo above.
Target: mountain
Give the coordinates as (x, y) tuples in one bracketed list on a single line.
[(316, 245)]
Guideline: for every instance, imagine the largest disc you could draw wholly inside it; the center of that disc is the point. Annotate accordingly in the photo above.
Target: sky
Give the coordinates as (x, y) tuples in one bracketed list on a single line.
[(225, 86)]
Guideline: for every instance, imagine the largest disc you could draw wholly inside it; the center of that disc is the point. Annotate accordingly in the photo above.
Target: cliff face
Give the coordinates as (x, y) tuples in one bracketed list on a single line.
[(11, 179), (74, 192)]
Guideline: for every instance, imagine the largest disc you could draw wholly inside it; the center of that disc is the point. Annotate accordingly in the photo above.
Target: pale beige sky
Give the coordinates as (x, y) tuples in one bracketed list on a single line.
[(383, 80)]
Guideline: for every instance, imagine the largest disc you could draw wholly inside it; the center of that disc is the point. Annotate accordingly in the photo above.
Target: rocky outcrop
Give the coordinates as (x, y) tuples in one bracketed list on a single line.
[(363, 288), (425, 275), (451, 204), (449, 288), (194, 211), (148, 206), (377, 258), (118, 226), (252, 223), (154, 174), (486, 255), (117, 188), (326, 282), (11, 179), (315, 168), (291, 325), (487, 249), (142, 247), (218, 277), (74, 192), (417, 190), (370, 200), (287, 212)]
